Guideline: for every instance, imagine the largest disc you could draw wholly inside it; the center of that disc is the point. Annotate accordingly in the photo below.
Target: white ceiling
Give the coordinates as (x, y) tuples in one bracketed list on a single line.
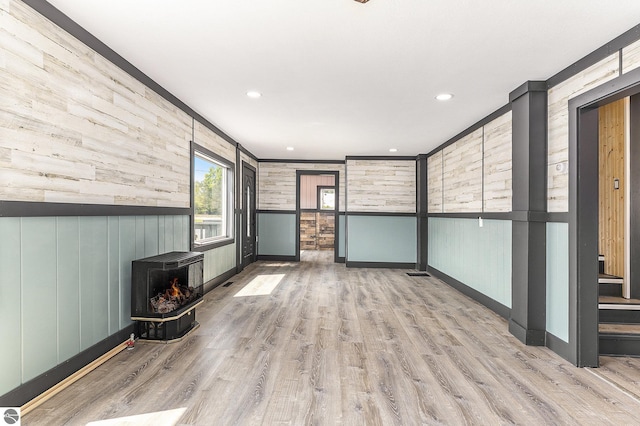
[(343, 78)]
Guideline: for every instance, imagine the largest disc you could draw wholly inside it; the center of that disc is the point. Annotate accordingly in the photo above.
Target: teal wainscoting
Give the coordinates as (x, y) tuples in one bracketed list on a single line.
[(276, 234), (66, 284), (381, 239), (558, 280), (218, 261), (479, 257)]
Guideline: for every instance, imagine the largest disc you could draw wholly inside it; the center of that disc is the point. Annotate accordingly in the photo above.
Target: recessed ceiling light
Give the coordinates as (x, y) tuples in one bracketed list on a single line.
[(289, 148), (444, 96), (393, 149), (253, 94)]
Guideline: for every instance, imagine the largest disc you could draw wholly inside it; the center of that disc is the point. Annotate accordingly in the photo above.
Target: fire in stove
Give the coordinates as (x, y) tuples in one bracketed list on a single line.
[(173, 298), (165, 290)]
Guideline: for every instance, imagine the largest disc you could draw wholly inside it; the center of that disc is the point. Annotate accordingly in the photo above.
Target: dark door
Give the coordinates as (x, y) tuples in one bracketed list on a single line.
[(249, 216)]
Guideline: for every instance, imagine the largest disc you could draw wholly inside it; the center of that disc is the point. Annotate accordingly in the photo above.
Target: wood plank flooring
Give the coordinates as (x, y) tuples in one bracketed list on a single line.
[(618, 300), (332, 345), (619, 328)]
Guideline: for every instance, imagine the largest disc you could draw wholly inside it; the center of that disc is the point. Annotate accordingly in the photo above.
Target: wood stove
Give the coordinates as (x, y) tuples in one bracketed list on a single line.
[(165, 290)]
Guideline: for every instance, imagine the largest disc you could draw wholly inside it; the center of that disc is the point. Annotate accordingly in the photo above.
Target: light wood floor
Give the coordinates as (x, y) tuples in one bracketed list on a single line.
[(332, 345)]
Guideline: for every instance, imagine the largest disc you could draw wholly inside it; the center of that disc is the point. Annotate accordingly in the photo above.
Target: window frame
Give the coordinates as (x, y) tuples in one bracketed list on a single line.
[(229, 200)]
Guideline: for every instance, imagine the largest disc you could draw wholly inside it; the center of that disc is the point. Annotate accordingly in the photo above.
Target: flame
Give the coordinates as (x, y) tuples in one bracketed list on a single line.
[(175, 289)]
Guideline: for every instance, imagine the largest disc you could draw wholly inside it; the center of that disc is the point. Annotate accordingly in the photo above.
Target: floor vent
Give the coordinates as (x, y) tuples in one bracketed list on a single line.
[(418, 274), (228, 284)]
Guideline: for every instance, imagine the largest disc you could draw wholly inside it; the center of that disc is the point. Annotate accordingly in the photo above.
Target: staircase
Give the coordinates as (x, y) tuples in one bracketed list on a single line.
[(619, 318)]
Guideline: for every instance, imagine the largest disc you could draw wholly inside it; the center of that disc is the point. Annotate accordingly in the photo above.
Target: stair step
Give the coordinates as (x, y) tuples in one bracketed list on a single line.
[(619, 339), (619, 344), (619, 306), (609, 279), (618, 310), (614, 315), (609, 285), (619, 326), (619, 329), (614, 290)]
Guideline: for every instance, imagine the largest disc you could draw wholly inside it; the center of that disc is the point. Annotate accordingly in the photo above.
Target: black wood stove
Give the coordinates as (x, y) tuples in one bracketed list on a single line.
[(165, 290)]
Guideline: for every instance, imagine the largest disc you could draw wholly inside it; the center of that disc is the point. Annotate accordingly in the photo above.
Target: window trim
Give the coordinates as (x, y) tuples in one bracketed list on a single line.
[(231, 180)]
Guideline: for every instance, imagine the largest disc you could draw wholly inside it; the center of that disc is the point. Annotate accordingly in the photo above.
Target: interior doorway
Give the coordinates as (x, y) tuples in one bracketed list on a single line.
[(586, 313), (317, 212), (612, 188)]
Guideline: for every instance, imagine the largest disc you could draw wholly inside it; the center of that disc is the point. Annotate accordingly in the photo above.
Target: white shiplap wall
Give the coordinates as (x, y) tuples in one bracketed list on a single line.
[(558, 126), (434, 182), (385, 186), (473, 174), (463, 174), (498, 165), (203, 136), (631, 57), (75, 128)]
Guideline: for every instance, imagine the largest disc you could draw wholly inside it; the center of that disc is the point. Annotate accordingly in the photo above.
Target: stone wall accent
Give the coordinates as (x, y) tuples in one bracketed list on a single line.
[(558, 126), (326, 230), (497, 165), (463, 174), (381, 186), (317, 230), (308, 223), (277, 183)]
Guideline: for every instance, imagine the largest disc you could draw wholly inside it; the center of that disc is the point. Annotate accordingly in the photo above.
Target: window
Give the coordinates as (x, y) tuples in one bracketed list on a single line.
[(326, 198), (212, 198)]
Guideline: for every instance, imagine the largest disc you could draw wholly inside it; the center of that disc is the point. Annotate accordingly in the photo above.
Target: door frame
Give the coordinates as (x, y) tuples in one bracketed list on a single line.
[(336, 209), (248, 215), (583, 210)]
